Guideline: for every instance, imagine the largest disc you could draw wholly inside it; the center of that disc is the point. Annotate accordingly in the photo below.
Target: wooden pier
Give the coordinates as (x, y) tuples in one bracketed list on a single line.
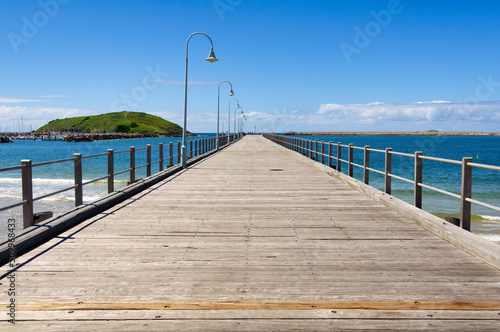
[(254, 238)]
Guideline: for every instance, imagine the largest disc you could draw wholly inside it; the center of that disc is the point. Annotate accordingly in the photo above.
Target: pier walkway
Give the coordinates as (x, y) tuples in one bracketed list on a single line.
[(254, 238)]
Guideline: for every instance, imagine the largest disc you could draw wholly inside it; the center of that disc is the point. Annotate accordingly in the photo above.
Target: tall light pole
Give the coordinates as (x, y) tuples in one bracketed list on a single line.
[(218, 107), (229, 119), (240, 122), (235, 126), (211, 58)]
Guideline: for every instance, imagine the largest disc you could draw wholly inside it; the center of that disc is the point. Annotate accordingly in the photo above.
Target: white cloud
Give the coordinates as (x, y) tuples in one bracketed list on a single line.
[(420, 112), (379, 116), (6, 100)]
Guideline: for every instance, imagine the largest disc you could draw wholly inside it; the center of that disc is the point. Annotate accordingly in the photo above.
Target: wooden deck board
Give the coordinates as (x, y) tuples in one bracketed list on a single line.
[(252, 223)]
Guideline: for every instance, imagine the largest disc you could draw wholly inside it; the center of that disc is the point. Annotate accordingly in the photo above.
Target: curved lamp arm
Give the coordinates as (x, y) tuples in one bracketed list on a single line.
[(211, 58)]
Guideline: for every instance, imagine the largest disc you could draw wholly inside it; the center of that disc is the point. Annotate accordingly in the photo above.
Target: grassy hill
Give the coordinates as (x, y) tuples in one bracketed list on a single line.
[(119, 122)]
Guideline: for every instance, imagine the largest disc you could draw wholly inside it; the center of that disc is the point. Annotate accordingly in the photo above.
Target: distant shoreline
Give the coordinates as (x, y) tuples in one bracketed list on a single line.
[(394, 133)]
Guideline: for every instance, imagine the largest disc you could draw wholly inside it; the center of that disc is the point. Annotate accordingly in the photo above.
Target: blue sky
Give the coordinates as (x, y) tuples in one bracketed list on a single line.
[(295, 64)]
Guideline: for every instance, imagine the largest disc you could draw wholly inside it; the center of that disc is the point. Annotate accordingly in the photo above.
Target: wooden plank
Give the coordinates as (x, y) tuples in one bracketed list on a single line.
[(253, 238), (257, 305)]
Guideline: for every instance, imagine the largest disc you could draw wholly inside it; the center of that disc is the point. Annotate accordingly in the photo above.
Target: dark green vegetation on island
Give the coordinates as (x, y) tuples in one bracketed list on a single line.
[(120, 122)]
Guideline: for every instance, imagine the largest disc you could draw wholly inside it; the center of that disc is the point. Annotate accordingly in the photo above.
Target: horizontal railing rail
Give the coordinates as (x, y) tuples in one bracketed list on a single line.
[(195, 148), (315, 150)]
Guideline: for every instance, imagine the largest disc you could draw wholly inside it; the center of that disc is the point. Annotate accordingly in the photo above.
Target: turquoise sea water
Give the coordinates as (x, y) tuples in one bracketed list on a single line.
[(485, 150)]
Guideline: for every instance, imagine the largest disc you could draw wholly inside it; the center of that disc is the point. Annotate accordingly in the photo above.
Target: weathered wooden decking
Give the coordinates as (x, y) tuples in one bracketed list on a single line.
[(253, 238)]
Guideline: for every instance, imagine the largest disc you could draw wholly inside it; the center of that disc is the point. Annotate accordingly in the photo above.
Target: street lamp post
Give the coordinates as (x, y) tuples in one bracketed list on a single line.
[(241, 117), (229, 119), (236, 132), (211, 58), (218, 107)]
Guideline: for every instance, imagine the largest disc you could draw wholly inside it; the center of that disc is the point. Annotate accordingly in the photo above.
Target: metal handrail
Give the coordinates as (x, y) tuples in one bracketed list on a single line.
[(95, 180), (490, 167), (200, 146), (120, 152), (54, 193), (449, 161), (375, 170), (95, 156), (466, 164), (125, 171), (12, 206), (402, 154), (357, 165), (496, 208), (13, 168), (401, 178), (439, 190), (46, 163)]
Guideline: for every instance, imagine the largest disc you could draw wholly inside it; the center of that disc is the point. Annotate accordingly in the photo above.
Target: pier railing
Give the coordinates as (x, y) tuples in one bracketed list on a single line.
[(165, 155), (331, 154)]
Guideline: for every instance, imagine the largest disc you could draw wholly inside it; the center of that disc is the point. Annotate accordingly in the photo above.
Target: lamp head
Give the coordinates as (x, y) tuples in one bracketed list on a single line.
[(211, 57), (231, 93)]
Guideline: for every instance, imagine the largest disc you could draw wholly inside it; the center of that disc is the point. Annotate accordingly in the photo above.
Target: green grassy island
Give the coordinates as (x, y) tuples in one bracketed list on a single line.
[(124, 123)]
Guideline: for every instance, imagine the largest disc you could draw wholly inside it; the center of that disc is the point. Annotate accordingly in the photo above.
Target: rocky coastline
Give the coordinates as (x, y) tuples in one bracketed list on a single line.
[(106, 137), (5, 139)]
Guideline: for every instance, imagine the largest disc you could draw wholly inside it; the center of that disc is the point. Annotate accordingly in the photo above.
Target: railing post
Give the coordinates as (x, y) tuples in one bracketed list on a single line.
[(351, 160), (78, 179), (111, 171), (417, 189), (27, 187), (339, 156), (171, 154), (190, 154), (178, 152), (322, 152), (132, 165), (366, 171), (160, 154), (388, 170), (316, 148), (196, 152), (465, 206), (148, 160), (330, 154)]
